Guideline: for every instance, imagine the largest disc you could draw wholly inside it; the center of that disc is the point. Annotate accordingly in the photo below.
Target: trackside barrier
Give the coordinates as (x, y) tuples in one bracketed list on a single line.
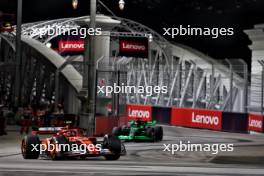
[(104, 125), (255, 123), (185, 117), (197, 118), (162, 115), (122, 121), (235, 122)]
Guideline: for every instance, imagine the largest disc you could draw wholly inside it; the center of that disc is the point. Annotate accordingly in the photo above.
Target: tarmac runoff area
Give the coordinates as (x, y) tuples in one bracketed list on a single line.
[(148, 158)]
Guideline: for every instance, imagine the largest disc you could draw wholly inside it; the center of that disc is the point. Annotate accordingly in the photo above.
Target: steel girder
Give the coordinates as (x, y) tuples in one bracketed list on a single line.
[(37, 83), (189, 83), (7, 69)]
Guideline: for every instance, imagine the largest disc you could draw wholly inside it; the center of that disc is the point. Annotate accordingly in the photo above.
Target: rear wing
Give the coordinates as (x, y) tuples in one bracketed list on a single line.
[(56, 120), (151, 123), (59, 120), (147, 123), (47, 130)]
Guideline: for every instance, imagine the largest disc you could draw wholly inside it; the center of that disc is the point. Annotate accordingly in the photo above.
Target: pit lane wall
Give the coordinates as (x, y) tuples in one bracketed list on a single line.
[(185, 117)]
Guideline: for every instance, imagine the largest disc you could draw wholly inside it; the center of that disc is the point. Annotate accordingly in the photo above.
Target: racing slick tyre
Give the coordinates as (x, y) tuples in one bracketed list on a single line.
[(150, 132), (125, 130), (30, 147), (58, 152), (114, 145), (158, 132), (116, 131)]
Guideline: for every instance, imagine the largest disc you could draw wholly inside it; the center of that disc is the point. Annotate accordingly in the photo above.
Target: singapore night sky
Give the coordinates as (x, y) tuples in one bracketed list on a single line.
[(156, 14)]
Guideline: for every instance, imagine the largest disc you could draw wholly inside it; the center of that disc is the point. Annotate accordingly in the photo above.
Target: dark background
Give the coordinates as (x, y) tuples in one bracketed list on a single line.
[(156, 14)]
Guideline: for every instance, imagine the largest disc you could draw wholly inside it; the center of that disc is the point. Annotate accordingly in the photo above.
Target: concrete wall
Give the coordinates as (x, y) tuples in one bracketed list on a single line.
[(256, 35)]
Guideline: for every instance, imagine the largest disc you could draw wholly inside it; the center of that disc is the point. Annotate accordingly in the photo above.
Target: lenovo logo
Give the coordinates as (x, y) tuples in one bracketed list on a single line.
[(205, 119), (138, 114), (133, 46), (71, 46), (255, 123)]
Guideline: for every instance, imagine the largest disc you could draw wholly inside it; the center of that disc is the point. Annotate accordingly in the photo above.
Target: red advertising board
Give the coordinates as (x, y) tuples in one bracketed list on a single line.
[(255, 122), (197, 118), (105, 125), (71, 45), (139, 112), (133, 47)]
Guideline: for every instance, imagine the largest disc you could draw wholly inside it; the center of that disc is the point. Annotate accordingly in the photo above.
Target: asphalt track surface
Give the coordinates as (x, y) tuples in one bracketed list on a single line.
[(148, 158)]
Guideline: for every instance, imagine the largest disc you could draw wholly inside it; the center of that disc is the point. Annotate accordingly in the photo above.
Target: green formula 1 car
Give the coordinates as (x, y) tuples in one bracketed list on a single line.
[(139, 131)]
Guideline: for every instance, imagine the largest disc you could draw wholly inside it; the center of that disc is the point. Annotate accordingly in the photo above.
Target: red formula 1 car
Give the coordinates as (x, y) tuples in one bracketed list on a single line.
[(69, 143)]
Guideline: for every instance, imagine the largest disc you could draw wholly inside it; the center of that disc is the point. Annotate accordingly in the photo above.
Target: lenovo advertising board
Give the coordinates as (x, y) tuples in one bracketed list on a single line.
[(197, 118), (139, 112), (71, 46), (133, 47), (255, 122), (68, 45)]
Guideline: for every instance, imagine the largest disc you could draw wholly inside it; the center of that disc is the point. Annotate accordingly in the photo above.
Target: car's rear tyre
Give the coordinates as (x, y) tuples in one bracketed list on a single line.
[(30, 147), (125, 130), (150, 132), (114, 145), (58, 152), (116, 131), (158, 131)]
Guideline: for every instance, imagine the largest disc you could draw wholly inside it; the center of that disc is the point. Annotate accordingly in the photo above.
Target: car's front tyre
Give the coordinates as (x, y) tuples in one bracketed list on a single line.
[(158, 132), (114, 145), (30, 147)]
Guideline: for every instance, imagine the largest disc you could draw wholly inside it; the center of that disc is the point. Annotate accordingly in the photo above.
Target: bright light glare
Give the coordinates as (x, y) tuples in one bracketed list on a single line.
[(74, 4), (121, 4)]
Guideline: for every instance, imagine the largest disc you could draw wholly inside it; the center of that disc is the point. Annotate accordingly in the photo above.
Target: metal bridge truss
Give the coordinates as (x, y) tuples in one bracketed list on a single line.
[(192, 79), (188, 83), (37, 75)]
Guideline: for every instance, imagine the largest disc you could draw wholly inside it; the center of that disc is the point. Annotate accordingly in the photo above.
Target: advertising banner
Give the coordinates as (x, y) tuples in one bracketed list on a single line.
[(105, 124), (139, 112), (235, 122), (133, 47), (197, 118), (255, 122), (161, 114), (71, 46)]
